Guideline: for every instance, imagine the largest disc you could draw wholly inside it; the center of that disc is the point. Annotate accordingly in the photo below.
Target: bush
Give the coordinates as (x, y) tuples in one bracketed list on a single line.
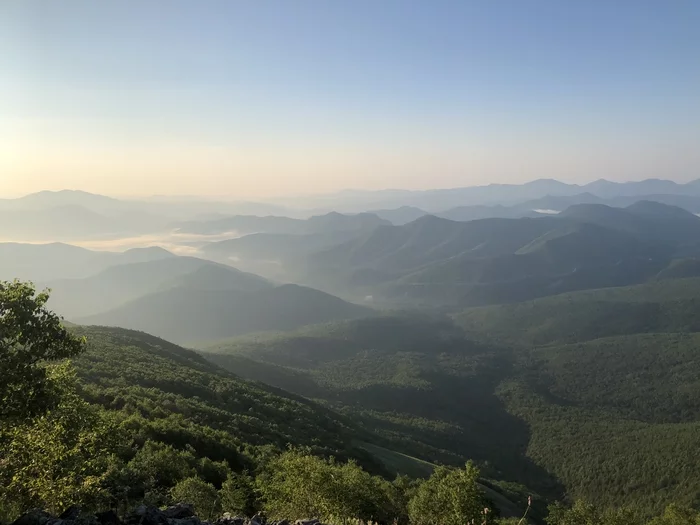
[(237, 495), (450, 497), (582, 513), (199, 493), (65, 456), (300, 485), (157, 465)]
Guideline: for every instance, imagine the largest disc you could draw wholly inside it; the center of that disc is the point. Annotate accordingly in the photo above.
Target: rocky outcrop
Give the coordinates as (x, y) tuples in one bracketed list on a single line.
[(181, 514)]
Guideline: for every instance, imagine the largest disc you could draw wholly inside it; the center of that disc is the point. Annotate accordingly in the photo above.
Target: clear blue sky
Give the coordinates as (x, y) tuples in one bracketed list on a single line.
[(267, 97)]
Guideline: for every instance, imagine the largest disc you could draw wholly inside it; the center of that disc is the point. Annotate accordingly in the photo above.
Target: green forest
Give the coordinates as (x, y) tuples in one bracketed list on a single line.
[(405, 417)]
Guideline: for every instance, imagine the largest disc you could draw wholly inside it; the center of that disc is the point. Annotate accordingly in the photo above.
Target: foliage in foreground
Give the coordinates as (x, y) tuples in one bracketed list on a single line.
[(450, 497), (55, 449), (30, 336)]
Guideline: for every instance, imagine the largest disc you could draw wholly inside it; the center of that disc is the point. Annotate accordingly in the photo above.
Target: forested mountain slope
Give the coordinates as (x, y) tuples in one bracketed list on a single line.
[(114, 286), (660, 306), (188, 314), (177, 397), (437, 262), (613, 420), (45, 262)]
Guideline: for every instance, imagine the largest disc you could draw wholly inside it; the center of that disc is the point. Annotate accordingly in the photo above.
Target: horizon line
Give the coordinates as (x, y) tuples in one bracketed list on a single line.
[(227, 198)]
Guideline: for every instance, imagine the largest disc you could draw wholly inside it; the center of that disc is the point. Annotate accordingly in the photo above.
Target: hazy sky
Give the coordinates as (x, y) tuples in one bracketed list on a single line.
[(255, 98)]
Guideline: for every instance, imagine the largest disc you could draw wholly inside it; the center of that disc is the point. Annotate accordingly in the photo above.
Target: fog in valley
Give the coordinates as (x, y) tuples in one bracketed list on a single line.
[(120, 262)]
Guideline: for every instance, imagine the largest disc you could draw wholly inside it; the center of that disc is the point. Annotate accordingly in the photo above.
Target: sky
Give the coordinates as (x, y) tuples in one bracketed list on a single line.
[(266, 98)]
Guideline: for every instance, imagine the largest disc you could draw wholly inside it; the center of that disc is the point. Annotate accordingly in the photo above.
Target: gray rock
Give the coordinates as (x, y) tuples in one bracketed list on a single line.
[(108, 518), (59, 521), (257, 520), (192, 520), (226, 519), (147, 515), (71, 513), (33, 517), (179, 511)]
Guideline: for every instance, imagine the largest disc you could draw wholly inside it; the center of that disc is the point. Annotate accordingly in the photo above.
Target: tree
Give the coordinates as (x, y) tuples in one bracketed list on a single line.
[(237, 495), (54, 447), (199, 493), (450, 497), (30, 336), (583, 513), (157, 466), (677, 515), (300, 485), (60, 458)]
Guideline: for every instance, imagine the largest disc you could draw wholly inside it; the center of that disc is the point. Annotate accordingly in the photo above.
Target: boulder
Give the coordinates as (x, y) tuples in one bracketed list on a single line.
[(227, 519), (147, 515), (33, 517), (71, 513), (108, 518), (192, 520), (257, 520), (179, 511)]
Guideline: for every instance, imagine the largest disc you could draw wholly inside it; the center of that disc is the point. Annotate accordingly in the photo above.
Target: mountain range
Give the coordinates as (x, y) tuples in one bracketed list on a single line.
[(440, 262), (438, 200), (77, 215)]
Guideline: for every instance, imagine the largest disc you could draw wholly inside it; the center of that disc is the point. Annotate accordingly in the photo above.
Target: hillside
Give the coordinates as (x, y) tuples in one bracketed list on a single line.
[(667, 306), (46, 262), (651, 221), (476, 212), (401, 215), (279, 256), (615, 419), (116, 285), (412, 378), (187, 314), (572, 257), (585, 414), (688, 202), (431, 239), (437, 262), (162, 420), (680, 269), (184, 400)]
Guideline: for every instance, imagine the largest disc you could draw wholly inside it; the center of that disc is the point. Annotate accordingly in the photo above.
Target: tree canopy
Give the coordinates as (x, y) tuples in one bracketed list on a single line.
[(30, 337)]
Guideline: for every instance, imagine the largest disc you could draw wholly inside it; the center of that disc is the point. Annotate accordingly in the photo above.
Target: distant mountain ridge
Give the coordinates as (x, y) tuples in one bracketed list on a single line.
[(118, 284), (191, 314), (487, 261), (247, 224), (46, 262), (438, 200)]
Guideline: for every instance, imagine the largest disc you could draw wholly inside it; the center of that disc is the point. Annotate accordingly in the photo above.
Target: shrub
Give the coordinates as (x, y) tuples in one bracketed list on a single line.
[(199, 493), (450, 497)]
